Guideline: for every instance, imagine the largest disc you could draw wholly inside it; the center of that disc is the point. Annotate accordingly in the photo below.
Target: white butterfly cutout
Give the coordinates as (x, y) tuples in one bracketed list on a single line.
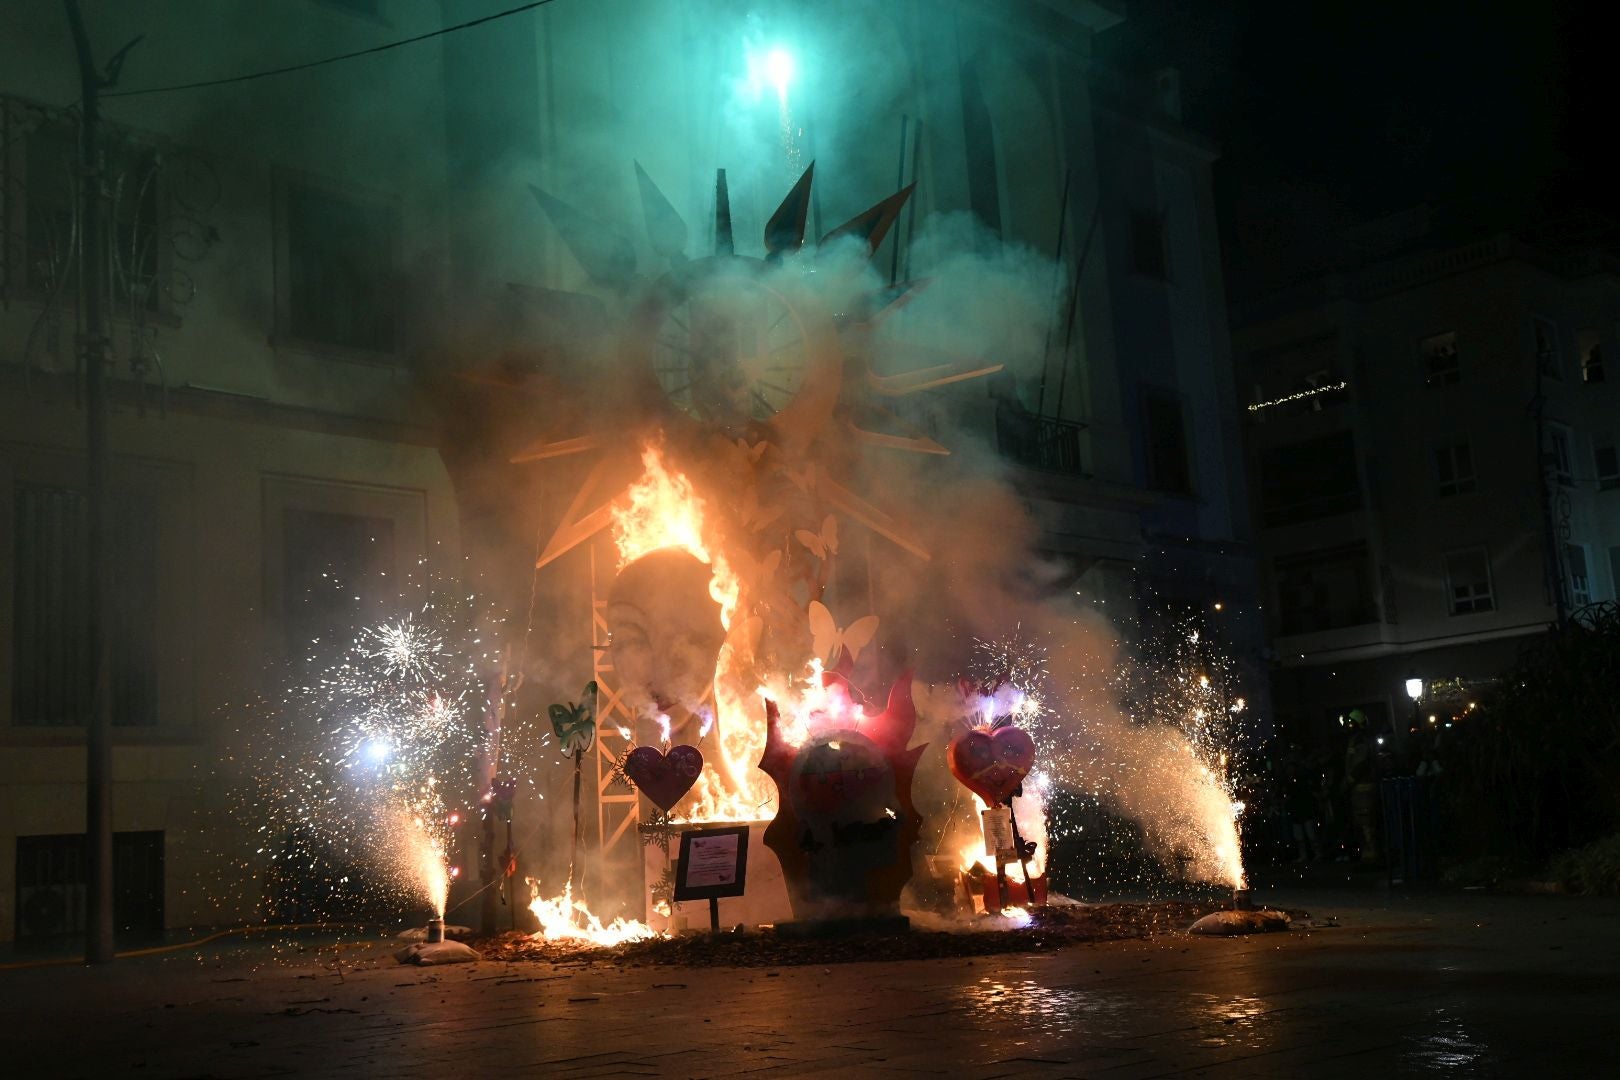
[(830, 640), (823, 543)]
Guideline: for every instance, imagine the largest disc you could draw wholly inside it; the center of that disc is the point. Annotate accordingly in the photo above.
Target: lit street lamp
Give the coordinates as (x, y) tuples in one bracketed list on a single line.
[(1414, 690)]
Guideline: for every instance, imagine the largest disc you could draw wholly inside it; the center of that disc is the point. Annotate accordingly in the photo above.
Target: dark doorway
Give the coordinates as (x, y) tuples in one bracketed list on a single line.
[(51, 890)]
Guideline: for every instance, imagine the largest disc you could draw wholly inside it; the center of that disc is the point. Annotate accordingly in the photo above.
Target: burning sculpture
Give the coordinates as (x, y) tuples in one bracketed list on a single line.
[(752, 370), (846, 823), (740, 396)]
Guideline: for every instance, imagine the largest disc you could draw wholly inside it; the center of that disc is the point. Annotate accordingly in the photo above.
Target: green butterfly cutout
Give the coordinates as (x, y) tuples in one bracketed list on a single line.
[(575, 725)]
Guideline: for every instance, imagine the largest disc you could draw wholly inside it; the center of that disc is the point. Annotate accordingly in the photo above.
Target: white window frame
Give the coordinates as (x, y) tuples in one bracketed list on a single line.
[(1580, 585), (1606, 480), (1561, 453), (1586, 342), (1475, 597), (1428, 347), (1459, 483)]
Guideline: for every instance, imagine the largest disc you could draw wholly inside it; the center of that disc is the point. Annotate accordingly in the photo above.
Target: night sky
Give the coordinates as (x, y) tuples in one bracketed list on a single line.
[(1494, 114)]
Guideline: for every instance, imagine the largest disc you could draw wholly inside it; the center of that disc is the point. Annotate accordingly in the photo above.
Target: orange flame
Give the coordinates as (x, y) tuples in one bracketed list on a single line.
[(562, 918), (661, 510)]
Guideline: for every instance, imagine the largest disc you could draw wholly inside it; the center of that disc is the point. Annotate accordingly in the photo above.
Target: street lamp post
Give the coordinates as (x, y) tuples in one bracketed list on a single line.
[(1414, 690)]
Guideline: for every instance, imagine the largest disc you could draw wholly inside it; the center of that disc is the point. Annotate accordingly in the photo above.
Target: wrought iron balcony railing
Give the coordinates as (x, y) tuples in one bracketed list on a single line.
[(1038, 442)]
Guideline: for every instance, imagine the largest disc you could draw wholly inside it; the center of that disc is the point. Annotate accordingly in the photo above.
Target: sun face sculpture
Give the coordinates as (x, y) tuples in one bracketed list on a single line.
[(746, 348), (753, 369)]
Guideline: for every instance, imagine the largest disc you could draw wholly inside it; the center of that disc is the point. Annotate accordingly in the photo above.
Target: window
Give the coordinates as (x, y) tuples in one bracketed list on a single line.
[(328, 557), (50, 652), (1310, 479), (338, 284), (1590, 349), (1148, 255), (51, 888), (1607, 458), (1454, 468), (1545, 334), (1325, 590), (1468, 582), (1580, 578), (1440, 364), (1168, 467), (1560, 455)]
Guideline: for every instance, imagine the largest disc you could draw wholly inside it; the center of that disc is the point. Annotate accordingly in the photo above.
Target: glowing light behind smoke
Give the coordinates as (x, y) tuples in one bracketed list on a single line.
[(774, 67), (779, 69)]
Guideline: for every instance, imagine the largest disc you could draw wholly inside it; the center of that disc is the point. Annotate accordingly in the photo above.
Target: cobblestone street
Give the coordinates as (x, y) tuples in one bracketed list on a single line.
[(1462, 985)]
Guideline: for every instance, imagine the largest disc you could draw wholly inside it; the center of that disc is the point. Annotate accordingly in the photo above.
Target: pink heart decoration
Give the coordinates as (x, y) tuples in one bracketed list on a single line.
[(662, 777), (992, 764)]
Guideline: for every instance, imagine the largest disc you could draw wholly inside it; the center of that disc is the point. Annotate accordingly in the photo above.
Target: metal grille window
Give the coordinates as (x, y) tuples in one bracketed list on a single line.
[(50, 669), (1441, 366), (1468, 582), (340, 284), (51, 884), (1454, 468)]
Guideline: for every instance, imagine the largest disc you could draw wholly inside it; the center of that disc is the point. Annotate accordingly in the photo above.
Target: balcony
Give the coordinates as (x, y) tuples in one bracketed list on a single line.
[(1037, 442)]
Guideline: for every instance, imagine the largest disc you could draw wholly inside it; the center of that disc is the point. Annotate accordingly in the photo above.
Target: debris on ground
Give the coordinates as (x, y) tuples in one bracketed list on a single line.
[(1048, 928)]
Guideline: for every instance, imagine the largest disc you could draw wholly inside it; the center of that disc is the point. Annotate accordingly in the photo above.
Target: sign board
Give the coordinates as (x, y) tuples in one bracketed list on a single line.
[(713, 863), (998, 834)]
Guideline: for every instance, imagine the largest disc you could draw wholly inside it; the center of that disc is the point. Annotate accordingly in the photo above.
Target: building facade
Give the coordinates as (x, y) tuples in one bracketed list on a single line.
[(314, 269), (265, 425), (1431, 446)]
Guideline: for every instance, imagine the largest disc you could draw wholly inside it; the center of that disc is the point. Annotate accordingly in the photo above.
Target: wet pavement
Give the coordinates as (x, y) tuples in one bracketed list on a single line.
[(1425, 985)]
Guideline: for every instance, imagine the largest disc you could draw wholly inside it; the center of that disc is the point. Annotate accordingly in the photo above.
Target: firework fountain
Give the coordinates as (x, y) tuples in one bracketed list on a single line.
[(365, 764)]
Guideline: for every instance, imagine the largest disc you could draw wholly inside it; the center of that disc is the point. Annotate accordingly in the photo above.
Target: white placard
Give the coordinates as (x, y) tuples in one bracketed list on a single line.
[(998, 834), (711, 860)]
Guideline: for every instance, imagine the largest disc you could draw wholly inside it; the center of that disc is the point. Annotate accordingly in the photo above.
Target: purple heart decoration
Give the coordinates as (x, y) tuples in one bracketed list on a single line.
[(662, 777)]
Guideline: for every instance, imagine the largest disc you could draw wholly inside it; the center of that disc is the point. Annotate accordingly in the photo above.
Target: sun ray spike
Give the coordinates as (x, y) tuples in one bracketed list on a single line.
[(723, 244), (541, 449), (873, 224), (576, 528), (910, 439), (666, 229), (931, 378), (784, 233), (852, 505), (605, 256)]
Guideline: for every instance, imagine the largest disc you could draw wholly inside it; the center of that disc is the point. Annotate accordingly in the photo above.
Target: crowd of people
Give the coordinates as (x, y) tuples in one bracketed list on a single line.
[(1330, 805)]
